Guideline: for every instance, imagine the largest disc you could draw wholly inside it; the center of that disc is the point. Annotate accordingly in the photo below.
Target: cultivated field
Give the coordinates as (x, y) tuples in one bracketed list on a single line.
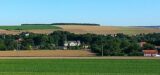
[(28, 27), (78, 67), (108, 29), (47, 53), (41, 29), (77, 29)]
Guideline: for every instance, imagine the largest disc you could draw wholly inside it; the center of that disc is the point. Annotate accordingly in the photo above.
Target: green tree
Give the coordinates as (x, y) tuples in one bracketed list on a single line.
[(148, 47), (2, 45)]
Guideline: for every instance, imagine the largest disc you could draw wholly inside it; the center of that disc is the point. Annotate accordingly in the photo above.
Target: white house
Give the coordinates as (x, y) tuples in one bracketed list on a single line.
[(71, 44), (157, 55)]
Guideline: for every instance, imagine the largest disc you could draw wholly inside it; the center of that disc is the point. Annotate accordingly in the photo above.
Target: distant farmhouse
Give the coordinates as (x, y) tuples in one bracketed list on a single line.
[(68, 44), (150, 53)]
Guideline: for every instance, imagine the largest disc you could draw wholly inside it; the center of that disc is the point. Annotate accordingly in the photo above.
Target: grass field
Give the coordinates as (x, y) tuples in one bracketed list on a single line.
[(29, 27), (78, 67)]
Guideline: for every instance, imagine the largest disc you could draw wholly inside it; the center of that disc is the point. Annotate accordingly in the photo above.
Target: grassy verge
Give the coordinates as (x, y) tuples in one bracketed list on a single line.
[(78, 67)]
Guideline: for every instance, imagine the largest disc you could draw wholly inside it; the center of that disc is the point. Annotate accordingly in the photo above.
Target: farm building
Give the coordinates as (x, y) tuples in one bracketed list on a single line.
[(150, 53), (71, 44)]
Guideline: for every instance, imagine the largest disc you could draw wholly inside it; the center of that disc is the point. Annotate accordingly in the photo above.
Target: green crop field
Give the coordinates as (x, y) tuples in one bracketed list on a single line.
[(29, 27), (78, 67)]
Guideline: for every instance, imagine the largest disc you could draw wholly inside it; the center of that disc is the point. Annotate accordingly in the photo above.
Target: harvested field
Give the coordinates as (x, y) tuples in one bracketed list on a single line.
[(107, 29), (47, 53), (14, 32), (43, 31), (29, 27), (8, 32), (87, 29)]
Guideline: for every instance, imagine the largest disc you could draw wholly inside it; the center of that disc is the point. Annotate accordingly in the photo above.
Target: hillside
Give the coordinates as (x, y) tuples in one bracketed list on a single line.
[(78, 29), (28, 27), (108, 29), (156, 27)]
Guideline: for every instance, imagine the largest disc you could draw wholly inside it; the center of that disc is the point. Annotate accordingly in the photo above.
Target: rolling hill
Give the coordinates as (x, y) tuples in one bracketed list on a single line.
[(78, 29), (108, 29)]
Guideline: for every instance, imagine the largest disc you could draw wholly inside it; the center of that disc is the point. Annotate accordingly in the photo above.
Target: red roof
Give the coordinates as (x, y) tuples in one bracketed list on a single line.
[(150, 51)]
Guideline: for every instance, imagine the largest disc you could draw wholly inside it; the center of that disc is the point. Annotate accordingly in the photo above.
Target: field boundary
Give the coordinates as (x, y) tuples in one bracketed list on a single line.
[(109, 58), (47, 53)]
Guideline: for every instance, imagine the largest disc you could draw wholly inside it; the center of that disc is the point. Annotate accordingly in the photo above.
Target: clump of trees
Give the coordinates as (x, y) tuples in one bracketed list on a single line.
[(109, 45), (85, 24)]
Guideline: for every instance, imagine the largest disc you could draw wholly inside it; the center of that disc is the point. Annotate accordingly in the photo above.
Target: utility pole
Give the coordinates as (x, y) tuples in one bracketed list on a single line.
[(17, 45), (102, 50), (102, 46)]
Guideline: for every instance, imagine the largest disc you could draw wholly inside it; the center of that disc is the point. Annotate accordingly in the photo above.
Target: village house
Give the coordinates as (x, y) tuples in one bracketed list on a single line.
[(85, 47), (150, 53), (25, 34), (71, 44)]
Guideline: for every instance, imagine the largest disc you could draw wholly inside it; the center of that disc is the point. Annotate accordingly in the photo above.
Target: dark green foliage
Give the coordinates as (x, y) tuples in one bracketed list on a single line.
[(2, 45), (109, 45), (29, 27), (148, 47), (84, 24)]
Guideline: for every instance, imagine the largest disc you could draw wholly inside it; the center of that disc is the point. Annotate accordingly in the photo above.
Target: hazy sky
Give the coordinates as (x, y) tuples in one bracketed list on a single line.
[(106, 12)]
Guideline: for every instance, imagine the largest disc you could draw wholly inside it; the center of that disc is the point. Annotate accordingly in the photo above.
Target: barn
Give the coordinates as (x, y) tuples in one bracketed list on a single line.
[(150, 53)]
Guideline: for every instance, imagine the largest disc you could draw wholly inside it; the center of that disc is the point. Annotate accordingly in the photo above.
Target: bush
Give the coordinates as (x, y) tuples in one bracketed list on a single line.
[(136, 54)]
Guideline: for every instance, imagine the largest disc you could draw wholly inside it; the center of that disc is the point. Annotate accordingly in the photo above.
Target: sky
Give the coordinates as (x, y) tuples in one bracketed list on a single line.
[(105, 12)]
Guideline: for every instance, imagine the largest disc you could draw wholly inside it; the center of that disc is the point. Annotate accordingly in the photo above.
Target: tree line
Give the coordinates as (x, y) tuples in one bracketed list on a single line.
[(111, 45), (83, 24)]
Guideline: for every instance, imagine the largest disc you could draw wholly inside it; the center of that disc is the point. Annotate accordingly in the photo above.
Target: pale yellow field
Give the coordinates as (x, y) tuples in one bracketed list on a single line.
[(47, 53), (89, 29), (14, 32), (108, 29)]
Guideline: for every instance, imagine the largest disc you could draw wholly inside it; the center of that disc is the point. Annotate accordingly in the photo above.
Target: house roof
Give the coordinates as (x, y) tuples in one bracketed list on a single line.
[(150, 51)]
